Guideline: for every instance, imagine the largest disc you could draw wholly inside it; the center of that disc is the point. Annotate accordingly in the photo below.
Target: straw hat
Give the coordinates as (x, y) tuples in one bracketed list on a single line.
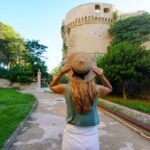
[(81, 64)]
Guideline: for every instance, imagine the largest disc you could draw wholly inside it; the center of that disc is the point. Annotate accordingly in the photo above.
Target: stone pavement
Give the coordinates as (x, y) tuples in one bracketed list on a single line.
[(44, 130)]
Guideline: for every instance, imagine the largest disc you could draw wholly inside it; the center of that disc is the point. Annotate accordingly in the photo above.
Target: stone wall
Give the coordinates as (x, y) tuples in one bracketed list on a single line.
[(4, 83), (146, 45), (137, 115), (88, 10), (92, 38), (85, 28)]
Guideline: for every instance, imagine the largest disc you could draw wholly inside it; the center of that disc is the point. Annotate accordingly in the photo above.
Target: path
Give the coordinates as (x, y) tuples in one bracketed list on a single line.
[(45, 128)]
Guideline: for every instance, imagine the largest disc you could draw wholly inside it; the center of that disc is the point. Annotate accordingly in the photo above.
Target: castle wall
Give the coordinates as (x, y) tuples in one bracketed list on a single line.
[(85, 28), (88, 9), (92, 38), (126, 15), (146, 45)]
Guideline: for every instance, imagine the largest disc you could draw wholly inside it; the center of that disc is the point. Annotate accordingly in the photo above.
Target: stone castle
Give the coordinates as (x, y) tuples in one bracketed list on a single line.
[(85, 28)]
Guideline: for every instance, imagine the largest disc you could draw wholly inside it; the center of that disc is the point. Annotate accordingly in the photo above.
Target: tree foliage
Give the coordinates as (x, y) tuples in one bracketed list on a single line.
[(22, 58), (10, 43), (56, 70), (125, 61), (133, 29), (33, 57), (64, 79), (26, 70)]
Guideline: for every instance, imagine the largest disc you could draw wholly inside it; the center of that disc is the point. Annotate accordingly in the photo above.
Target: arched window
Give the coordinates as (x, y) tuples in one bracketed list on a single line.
[(106, 10), (97, 8)]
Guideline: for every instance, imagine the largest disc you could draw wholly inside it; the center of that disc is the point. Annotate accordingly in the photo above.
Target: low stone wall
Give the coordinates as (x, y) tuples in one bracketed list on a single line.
[(137, 115), (4, 83), (23, 86)]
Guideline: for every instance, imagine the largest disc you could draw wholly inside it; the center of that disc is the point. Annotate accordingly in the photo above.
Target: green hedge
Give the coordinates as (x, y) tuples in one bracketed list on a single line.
[(17, 74)]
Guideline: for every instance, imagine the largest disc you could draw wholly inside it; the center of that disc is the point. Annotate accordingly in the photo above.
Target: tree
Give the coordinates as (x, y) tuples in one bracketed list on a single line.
[(133, 29), (56, 70), (125, 61), (10, 43), (4, 54), (22, 58), (64, 79), (33, 57)]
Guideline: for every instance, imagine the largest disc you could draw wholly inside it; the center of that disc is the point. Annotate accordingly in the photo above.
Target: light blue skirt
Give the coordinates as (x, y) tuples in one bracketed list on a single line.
[(80, 138)]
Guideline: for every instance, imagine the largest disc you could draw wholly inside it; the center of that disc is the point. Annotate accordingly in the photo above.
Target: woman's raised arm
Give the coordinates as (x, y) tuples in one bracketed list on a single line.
[(59, 88), (106, 88)]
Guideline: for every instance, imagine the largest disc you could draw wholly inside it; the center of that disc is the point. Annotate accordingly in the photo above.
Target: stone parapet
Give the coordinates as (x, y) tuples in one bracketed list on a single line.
[(137, 115), (87, 20)]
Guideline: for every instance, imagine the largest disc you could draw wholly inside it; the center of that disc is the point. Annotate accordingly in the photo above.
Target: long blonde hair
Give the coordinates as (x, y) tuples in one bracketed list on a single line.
[(83, 94)]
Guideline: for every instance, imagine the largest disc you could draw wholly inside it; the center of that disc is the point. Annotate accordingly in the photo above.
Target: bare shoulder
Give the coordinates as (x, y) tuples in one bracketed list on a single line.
[(102, 90)]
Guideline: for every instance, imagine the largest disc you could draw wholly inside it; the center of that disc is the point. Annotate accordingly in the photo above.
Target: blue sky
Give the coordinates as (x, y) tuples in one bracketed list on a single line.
[(41, 19)]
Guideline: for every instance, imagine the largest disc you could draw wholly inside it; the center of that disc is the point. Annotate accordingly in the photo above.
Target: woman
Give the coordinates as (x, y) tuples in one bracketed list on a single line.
[(81, 94)]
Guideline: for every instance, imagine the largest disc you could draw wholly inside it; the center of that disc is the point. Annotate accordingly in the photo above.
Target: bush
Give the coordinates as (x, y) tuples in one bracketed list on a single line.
[(126, 62), (3, 73), (22, 74)]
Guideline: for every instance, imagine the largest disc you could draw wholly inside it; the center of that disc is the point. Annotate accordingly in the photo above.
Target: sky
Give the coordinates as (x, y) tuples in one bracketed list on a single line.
[(41, 20)]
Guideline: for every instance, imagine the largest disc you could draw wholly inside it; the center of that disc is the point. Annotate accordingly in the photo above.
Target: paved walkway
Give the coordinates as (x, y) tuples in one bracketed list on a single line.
[(44, 129)]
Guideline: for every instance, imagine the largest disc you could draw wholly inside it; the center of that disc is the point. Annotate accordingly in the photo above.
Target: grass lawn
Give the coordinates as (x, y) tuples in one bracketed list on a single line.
[(14, 107), (137, 104)]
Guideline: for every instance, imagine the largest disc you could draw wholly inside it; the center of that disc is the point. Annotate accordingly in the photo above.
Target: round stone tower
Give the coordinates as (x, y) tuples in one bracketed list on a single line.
[(85, 28)]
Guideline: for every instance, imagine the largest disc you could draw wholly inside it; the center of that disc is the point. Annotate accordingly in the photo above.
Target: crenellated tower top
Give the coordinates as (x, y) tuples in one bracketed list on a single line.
[(85, 28)]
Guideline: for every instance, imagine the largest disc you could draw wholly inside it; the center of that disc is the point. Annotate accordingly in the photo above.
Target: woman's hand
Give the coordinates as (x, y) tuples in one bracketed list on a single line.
[(98, 71), (65, 69)]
